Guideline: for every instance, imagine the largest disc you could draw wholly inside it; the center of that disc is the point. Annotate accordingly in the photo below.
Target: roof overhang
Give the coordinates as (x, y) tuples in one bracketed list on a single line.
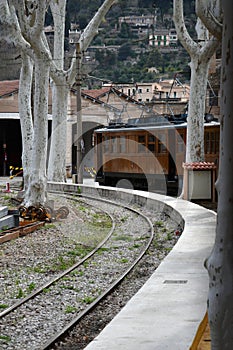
[(16, 116)]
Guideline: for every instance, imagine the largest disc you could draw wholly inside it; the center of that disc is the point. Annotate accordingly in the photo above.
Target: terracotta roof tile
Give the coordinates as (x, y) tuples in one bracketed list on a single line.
[(8, 86), (97, 93), (199, 165)]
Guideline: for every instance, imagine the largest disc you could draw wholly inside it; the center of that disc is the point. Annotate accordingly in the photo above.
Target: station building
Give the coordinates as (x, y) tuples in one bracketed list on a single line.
[(99, 107)]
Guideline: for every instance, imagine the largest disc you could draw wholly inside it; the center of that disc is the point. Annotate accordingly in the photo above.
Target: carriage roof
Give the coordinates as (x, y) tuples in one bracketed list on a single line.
[(161, 124)]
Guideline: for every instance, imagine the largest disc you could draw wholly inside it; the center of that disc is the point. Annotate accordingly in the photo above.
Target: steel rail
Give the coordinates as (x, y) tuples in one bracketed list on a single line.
[(61, 275), (60, 335), (55, 338)]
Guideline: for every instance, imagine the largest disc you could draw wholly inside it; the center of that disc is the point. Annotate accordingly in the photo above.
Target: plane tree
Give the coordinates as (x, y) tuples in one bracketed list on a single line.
[(23, 24), (220, 262), (201, 51), (218, 20), (63, 80), (211, 16)]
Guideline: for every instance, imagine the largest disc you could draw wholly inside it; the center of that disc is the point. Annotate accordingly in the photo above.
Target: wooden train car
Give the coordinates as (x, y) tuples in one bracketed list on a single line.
[(148, 153)]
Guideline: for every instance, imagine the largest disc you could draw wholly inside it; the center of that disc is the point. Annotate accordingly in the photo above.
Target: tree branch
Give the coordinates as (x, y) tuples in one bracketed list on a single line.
[(209, 49), (188, 43), (208, 17), (90, 32)]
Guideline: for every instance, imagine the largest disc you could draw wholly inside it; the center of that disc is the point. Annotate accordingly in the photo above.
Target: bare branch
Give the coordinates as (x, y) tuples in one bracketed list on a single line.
[(183, 35), (10, 28), (211, 19), (90, 32)]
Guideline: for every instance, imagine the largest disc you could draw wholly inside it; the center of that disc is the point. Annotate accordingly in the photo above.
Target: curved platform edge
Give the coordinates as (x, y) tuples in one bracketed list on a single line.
[(167, 311)]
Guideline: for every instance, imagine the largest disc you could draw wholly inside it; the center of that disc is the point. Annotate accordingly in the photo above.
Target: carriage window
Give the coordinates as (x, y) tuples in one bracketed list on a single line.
[(141, 143), (162, 143), (211, 142), (106, 144), (151, 143), (122, 144), (114, 144), (132, 144), (180, 143)]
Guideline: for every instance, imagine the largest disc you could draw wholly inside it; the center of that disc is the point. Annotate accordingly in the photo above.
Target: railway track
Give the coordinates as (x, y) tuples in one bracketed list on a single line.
[(63, 301)]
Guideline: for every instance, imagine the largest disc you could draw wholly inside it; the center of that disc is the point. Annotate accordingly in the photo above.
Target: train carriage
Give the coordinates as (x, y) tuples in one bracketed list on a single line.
[(148, 153)]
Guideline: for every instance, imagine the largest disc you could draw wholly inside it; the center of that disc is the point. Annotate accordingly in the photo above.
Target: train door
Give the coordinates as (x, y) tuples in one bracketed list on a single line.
[(99, 157), (180, 156), (180, 150), (172, 173)]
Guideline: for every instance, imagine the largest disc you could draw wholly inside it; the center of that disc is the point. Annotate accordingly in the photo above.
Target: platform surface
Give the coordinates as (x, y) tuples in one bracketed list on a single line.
[(166, 312)]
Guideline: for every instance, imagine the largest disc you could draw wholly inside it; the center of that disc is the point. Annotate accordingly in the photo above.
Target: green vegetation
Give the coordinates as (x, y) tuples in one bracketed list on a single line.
[(124, 260), (4, 228), (88, 299), (3, 306), (79, 251), (48, 226), (134, 56), (159, 224), (77, 273), (70, 309), (5, 338), (63, 261), (31, 286), (124, 238), (20, 294)]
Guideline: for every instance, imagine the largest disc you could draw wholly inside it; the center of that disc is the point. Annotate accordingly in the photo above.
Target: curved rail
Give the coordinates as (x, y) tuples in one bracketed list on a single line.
[(61, 275), (108, 290), (59, 336)]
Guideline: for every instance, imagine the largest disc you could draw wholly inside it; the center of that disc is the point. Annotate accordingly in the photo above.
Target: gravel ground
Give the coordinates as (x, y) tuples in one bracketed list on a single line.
[(32, 260), (95, 321)]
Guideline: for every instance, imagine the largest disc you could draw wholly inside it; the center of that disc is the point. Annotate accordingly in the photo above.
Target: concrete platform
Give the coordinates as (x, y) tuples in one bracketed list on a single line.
[(6, 221), (167, 310), (3, 211)]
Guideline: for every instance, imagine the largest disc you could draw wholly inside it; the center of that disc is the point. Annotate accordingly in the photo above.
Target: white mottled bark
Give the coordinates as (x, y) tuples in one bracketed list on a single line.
[(36, 191), (196, 110), (210, 13), (200, 53), (57, 156), (31, 18), (25, 112), (62, 81), (23, 23), (220, 262)]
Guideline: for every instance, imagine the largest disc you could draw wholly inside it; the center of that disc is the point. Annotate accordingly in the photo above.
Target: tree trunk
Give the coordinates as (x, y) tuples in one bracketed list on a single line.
[(62, 82), (57, 156), (200, 53), (25, 112), (196, 110), (210, 13), (36, 192), (220, 262)]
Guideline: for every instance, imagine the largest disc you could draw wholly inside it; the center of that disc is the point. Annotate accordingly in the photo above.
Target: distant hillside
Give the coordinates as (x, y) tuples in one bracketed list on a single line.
[(134, 57), (83, 11)]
